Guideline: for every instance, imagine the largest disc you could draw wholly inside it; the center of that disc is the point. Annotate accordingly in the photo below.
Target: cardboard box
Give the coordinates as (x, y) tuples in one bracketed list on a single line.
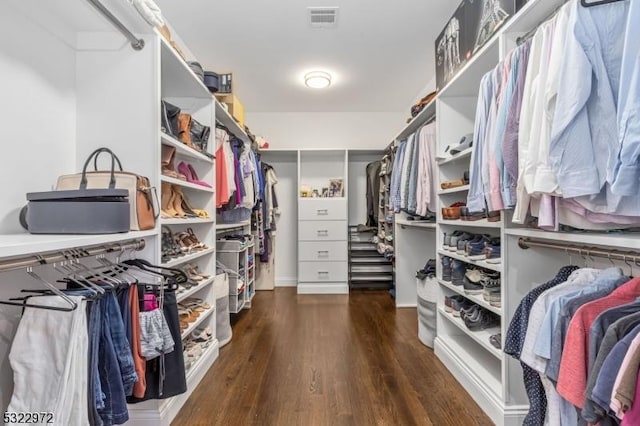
[(470, 27), (235, 106)]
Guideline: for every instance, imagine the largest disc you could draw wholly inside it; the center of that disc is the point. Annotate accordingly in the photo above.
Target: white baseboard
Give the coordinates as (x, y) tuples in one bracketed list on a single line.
[(319, 288), (286, 282)]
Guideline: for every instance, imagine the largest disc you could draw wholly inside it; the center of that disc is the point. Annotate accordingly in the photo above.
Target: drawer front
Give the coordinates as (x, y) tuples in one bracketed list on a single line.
[(322, 271), (324, 251), (322, 209), (315, 230)]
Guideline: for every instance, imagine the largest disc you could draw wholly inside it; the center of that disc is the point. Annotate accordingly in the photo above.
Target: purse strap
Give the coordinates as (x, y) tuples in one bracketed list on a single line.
[(94, 155)]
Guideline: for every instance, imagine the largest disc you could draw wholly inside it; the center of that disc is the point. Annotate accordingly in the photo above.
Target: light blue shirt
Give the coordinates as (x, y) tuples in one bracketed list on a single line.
[(475, 199), (626, 179), (394, 201), (584, 130), (412, 199)]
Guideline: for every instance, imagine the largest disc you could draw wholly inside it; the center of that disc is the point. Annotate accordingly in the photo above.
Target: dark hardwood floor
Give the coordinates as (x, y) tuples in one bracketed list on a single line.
[(328, 360)]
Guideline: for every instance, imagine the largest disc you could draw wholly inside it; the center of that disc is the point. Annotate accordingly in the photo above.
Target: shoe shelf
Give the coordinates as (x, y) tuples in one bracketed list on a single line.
[(189, 221), (186, 184), (201, 319), (208, 356), (482, 223), (195, 289), (184, 150), (479, 366), (475, 298), (479, 336), (188, 258), (455, 190), (23, 243), (462, 155), (231, 226), (481, 263)]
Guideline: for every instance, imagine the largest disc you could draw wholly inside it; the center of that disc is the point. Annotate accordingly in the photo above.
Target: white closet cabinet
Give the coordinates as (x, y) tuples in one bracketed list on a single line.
[(322, 225)]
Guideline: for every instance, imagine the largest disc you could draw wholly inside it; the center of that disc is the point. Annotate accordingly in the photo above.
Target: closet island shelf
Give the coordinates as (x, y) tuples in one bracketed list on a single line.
[(479, 336), (475, 298), (481, 263), (20, 244), (198, 322), (184, 150)]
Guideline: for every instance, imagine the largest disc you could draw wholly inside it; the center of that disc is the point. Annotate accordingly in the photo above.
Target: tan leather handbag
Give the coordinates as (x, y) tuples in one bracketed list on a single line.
[(141, 195)]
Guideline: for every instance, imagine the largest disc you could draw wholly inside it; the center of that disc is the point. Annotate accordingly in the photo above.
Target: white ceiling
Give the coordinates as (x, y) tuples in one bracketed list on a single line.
[(381, 52)]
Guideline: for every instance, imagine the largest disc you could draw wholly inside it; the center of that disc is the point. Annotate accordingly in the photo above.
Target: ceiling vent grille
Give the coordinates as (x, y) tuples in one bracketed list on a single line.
[(323, 17)]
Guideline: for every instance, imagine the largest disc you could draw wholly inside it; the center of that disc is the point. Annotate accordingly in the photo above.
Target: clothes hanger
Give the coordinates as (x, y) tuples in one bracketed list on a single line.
[(629, 264), (586, 3), (81, 282), (76, 255), (71, 304)]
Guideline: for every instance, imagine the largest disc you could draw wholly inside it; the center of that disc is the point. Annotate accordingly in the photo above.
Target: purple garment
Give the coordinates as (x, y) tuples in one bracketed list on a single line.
[(510, 139), (237, 174)]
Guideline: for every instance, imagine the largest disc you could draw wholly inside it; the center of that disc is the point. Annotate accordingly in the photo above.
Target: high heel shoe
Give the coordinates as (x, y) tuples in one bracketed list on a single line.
[(178, 196), (201, 213), (168, 167), (166, 209), (194, 239), (190, 173)]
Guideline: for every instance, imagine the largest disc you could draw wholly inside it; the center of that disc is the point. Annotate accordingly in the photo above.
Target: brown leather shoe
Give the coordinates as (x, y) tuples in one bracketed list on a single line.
[(452, 184)]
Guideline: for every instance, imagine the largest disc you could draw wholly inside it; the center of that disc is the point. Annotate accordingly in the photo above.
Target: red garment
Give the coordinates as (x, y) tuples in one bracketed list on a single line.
[(222, 186), (140, 364), (572, 380)]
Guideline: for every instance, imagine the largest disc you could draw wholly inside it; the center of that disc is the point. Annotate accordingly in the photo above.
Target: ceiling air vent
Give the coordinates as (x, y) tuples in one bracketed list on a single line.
[(323, 17)]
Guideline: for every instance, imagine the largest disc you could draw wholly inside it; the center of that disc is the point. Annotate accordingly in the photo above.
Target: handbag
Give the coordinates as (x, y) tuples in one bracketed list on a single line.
[(143, 213), (170, 114), (200, 135)]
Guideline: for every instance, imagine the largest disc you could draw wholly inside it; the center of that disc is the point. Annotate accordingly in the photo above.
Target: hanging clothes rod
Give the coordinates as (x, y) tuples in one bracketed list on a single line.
[(136, 43), (525, 243), (60, 256), (532, 32)]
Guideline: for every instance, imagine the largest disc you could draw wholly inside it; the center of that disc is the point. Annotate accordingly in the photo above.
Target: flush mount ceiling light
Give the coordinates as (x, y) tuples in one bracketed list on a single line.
[(317, 79)]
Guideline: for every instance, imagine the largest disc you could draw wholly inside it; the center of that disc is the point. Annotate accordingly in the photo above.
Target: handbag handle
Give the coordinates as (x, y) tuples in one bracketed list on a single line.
[(96, 153), (113, 156)]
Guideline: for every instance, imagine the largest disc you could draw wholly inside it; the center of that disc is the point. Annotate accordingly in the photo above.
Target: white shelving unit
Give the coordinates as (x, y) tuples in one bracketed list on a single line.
[(185, 184), (475, 298), (463, 188)]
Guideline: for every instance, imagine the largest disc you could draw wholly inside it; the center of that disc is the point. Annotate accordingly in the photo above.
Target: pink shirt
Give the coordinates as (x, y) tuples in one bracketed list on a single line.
[(632, 417), (572, 380), (616, 405)]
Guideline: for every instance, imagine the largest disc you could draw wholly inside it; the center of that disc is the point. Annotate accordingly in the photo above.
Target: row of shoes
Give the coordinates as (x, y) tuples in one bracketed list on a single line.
[(176, 205), (179, 244), (185, 171), (194, 277), (474, 246), (473, 280), (194, 346), (474, 316), (460, 211), (189, 310)]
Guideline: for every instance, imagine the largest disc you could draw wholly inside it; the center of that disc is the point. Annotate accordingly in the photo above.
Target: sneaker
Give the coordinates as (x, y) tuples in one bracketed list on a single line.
[(453, 303), (491, 280), (461, 306), (446, 241), (447, 304), (471, 311), (482, 321), (428, 270), (458, 270), (462, 243), (488, 291), (447, 266), (453, 246), (492, 252), (476, 246), (496, 340), (472, 281), (495, 299)]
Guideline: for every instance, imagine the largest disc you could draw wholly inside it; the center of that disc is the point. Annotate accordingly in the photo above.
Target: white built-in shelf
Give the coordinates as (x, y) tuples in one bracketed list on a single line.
[(455, 190), (184, 150), (321, 198), (198, 322), (482, 223), (416, 122), (479, 336), (530, 16), (188, 258), (230, 226), (481, 263), (415, 223), (185, 184), (227, 120), (462, 155), (475, 298), (189, 221), (208, 356), (23, 243), (195, 289), (480, 365), (178, 81), (618, 240)]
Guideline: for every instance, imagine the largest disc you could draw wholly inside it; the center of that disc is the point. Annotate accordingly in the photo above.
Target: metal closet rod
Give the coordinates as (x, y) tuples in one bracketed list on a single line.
[(136, 43), (613, 254), (44, 259)]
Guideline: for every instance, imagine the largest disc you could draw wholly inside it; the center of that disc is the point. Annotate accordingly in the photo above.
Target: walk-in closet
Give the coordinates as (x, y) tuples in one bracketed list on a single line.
[(234, 213)]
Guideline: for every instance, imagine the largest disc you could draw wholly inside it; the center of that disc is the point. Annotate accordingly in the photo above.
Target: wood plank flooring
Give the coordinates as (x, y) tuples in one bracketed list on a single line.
[(328, 360)]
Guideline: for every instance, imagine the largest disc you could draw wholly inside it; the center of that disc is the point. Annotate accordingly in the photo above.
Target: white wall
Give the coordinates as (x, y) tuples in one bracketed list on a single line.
[(318, 130)]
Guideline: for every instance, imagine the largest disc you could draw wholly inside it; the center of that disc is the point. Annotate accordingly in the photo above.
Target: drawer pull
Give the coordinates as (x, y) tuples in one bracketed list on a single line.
[(323, 253), (323, 272), (322, 212), (323, 232)]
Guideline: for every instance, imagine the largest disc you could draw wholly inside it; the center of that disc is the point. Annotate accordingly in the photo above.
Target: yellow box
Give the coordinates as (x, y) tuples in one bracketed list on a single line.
[(235, 106)]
